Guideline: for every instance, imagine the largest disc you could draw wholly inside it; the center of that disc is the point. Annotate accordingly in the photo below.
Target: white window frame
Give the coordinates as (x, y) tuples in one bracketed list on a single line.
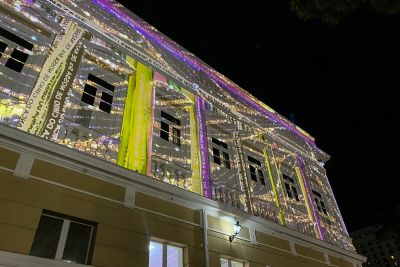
[(230, 261), (165, 245), (64, 234)]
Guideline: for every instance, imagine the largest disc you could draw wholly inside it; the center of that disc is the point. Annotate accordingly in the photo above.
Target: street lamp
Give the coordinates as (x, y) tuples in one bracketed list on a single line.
[(236, 230)]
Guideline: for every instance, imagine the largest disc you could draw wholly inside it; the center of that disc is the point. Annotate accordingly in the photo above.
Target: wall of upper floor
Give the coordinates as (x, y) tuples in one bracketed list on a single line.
[(70, 77)]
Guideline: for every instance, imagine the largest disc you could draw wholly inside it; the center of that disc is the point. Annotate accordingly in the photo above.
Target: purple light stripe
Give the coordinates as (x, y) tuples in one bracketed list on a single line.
[(200, 106), (172, 47), (300, 162)]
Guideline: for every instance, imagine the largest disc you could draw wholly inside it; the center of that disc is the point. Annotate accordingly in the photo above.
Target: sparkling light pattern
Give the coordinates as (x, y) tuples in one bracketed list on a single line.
[(203, 146), (125, 76), (310, 201), (151, 33)]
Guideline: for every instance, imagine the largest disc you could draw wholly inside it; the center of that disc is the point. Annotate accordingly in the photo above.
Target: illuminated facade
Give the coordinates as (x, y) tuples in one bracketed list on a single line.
[(103, 96)]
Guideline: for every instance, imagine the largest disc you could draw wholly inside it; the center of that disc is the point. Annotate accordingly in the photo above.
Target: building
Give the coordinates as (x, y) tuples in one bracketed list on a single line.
[(120, 148), (380, 243)]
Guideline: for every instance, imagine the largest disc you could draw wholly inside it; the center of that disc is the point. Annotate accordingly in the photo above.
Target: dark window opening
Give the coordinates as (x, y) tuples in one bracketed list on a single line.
[(317, 194), (318, 206), (19, 55), (165, 129), (255, 170), (288, 178), (296, 195), (3, 47), (288, 191), (47, 237), (101, 82), (176, 136), (88, 99), (90, 92), (216, 156), (220, 143), (253, 174), (217, 151), (90, 89), (261, 176), (170, 118), (107, 98), (319, 202), (16, 39), (14, 65), (290, 187), (227, 163), (164, 133), (63, 237), (17, 60), (105, 107), (253, 160)]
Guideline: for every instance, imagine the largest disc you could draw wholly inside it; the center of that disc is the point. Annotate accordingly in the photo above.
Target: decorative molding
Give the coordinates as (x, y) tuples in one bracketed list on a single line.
[(24, 165), (130, 196), (292, 248), (328, 261), (253, 238)]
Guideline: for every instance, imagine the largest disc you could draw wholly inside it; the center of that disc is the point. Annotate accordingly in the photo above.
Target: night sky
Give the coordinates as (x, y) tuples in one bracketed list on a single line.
[(341, 83)]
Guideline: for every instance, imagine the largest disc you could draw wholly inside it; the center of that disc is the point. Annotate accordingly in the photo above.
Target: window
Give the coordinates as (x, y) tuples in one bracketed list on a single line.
[(256, 173), (217, 149), (231, 263), (165, 255), (3, 47), (319, 202), (16, 39), (89, 93), (290, 187), (64, 238), (17, 60), (172, 130)]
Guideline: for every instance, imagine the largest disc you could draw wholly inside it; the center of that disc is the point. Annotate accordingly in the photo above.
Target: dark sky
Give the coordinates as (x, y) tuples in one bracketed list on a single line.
[(341, 82)]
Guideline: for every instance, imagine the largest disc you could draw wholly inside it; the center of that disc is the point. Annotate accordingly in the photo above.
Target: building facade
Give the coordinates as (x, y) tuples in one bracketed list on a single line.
[(380, 243), (120, 148)]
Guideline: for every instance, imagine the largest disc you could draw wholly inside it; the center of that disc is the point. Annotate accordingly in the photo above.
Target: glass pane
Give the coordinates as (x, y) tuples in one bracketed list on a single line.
[(164, 133), (107, 98), (176, 136), (19, 55), (14, 64), (105, 107), (216, 156), (224, 263), (90, 89), (253, 177), (174, 256), (46, 238), (88, 99), (237, 264), (78, 242), (155, 254), (226, 160)]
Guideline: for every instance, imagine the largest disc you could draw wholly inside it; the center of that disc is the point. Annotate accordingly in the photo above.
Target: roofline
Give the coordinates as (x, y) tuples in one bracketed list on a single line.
[(179, 52)]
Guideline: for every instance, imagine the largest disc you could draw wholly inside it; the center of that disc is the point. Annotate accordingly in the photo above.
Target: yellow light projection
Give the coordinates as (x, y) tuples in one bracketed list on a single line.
[(136, 125), (194, 147)]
